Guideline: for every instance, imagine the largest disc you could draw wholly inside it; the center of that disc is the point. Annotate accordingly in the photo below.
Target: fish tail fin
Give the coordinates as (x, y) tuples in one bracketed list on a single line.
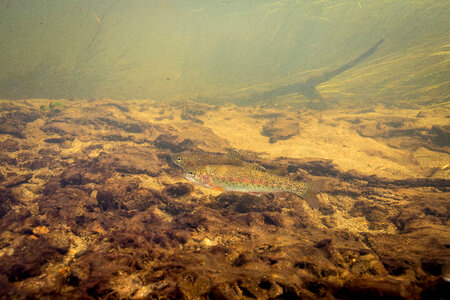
[(309, 192)]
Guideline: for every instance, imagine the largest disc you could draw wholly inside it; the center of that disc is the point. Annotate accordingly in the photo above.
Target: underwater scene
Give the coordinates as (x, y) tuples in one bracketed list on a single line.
[(270, 149)]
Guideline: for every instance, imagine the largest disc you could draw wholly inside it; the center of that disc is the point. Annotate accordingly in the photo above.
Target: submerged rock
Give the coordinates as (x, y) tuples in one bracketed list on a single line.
[(14, 123), (280, 129), (369, 288), (174, 143), (104, 214), (9, 146), (178, 189)]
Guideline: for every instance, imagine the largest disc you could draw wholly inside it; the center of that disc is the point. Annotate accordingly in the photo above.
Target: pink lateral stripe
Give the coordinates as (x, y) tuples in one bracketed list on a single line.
[(246, 180)]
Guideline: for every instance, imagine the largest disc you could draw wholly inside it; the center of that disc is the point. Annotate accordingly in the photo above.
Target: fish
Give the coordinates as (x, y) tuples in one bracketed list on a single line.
[(192, 159), (244, 179)]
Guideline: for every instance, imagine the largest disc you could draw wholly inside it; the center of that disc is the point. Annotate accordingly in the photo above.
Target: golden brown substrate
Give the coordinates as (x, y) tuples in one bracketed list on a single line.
[(91, 207)]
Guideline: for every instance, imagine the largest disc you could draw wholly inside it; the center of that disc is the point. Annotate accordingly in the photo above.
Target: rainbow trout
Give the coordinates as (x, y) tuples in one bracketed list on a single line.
[(193, 159), (244, 179)]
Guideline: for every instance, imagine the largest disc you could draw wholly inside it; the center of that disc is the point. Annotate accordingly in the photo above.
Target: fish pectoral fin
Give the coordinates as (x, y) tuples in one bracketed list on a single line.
[(312, 200), (218, 188)]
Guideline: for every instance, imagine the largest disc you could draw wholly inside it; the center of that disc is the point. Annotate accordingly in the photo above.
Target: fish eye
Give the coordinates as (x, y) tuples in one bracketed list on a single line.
[(191, 174), (179, 159)]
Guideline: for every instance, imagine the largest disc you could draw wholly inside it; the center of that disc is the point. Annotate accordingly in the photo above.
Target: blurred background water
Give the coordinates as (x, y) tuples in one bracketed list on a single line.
[(171, 50)]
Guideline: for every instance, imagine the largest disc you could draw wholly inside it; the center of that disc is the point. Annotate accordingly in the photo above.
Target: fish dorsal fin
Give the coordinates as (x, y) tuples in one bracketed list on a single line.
[(278, 172), (233, 155), (237, 157), (257, 167)]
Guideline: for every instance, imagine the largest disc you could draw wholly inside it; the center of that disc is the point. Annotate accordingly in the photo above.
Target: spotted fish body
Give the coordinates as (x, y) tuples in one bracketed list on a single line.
[(244, 179), (193, 159)]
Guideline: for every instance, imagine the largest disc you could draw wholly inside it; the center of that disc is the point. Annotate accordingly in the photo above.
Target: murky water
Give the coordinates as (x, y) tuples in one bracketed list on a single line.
[(166, 50)]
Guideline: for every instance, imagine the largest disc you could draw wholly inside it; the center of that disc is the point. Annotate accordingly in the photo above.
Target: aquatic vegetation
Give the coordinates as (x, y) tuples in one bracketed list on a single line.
[(53, 106)]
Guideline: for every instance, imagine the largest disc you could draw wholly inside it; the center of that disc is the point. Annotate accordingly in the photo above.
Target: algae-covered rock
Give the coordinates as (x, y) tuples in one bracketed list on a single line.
[(92, 207), (280, 129)]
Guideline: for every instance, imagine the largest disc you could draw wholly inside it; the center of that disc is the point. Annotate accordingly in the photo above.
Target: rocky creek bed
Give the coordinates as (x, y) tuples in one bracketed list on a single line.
[(91, 207)]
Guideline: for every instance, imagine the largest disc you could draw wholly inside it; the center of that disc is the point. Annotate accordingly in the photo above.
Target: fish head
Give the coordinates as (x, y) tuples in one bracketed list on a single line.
[(198, 176), (192, 176), (182, 160), (178, 159)]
